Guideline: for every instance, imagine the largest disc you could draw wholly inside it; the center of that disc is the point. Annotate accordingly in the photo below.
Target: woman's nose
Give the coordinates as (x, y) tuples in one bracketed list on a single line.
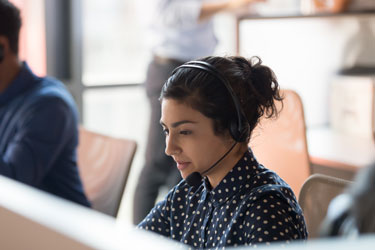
[(171, 147)]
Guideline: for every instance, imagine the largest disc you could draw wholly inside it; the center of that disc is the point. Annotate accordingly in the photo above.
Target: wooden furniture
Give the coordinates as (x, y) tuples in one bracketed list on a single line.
[(104, 163)]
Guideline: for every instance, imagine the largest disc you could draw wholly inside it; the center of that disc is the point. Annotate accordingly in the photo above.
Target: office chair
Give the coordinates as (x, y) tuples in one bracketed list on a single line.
[(315, 197), (280, 143), (104, 163)]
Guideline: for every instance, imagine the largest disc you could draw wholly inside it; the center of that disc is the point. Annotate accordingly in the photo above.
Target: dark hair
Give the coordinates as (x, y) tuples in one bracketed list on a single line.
[(254, 84), (10, 23)]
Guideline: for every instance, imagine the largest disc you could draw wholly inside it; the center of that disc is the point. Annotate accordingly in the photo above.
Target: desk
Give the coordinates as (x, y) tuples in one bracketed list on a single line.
[(339, 152)]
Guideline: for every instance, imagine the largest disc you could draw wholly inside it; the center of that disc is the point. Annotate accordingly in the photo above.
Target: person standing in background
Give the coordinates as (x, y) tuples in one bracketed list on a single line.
[(182, 30)]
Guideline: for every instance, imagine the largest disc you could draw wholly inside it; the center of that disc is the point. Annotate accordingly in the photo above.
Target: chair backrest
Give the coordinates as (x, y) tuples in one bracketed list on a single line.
[(104, 163), (280, 143), (315, 197)]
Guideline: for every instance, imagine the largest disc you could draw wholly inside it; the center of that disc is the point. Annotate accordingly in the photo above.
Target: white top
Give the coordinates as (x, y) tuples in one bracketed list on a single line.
[(176, 32)]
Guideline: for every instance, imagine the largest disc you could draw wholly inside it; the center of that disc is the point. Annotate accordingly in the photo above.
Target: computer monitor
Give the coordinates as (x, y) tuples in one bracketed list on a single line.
[(33, 219)]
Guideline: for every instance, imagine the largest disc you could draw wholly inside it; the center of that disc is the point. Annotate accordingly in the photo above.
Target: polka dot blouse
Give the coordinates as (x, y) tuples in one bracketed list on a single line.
[(251, 205)]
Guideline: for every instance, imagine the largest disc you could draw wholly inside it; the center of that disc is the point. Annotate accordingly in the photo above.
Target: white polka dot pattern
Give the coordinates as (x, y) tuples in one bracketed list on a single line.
[(251, 205)]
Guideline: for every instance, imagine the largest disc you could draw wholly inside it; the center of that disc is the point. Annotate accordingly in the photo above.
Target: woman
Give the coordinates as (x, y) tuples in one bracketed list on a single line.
[(209, 109)]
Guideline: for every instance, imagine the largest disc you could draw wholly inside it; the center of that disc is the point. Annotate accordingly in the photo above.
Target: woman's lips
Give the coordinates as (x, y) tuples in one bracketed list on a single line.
[(182, 165)]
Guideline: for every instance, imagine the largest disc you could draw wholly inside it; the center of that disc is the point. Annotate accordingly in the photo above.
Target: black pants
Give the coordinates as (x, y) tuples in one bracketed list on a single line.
[(159, 169)]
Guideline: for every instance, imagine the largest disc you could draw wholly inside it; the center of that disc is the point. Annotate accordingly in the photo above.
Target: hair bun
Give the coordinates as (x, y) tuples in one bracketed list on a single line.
[(261, 89)]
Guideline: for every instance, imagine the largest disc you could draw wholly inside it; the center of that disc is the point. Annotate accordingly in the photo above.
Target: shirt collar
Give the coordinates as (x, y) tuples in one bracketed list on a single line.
[(23, 81), (234, 181)]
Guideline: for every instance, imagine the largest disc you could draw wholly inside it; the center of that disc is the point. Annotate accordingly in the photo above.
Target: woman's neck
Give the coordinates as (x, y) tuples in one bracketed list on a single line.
[(223, 168)]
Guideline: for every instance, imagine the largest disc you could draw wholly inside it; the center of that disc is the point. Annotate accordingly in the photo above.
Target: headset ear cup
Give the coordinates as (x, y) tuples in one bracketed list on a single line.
[(239, 134)]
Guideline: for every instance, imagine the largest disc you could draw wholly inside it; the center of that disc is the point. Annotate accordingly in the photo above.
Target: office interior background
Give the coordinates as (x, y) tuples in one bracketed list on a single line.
[(99, 50)]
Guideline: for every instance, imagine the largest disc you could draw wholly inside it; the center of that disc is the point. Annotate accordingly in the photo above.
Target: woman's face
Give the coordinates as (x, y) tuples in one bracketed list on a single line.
[(190, 138)]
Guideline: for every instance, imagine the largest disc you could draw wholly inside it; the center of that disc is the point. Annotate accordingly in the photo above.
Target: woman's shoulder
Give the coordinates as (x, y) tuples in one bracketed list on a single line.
[(266, 184), (267, 180), (269, 192)]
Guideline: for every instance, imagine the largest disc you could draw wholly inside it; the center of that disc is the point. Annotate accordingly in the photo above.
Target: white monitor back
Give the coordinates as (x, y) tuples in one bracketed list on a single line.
[(32, 219)]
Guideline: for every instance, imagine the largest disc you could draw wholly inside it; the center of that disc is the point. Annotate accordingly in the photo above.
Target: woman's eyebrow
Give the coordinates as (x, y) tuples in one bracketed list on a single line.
[(176, 124)]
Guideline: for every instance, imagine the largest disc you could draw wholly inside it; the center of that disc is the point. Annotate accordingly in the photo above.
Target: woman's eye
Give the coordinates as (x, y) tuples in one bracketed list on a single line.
[(165, 131), (185, 132)]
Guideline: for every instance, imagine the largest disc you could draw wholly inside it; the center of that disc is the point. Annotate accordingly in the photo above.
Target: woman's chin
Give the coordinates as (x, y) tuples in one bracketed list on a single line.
[(184, 175)]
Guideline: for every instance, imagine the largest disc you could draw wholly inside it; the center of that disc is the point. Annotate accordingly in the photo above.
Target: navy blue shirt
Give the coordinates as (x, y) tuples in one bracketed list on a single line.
[(39, 136), (251, 205)]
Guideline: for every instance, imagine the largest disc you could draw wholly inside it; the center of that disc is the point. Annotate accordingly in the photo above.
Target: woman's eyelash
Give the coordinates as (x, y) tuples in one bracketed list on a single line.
[(182, 132)]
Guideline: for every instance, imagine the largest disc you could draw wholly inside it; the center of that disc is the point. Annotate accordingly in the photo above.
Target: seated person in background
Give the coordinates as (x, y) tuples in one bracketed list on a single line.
[(353, 213), (209, 109), (38, 121)]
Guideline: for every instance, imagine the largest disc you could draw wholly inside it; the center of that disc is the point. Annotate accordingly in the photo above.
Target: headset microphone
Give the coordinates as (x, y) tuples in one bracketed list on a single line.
[(194, 179)]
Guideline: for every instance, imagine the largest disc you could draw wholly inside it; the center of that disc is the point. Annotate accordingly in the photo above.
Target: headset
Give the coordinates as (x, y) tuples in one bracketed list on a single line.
[(237, 128), (1, 53)]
